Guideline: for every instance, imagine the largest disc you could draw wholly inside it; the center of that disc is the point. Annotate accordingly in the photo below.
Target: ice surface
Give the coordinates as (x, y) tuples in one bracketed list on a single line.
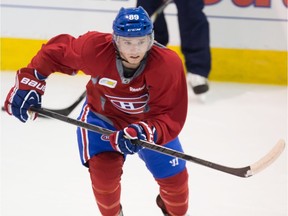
[(41, 173)]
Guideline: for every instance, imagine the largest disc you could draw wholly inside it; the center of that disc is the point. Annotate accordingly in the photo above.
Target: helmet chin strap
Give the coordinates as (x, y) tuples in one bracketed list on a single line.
[(120, 57)]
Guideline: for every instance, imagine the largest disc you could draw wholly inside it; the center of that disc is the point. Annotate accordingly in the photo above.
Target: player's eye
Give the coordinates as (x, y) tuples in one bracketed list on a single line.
[(141, 42), (127, 43)]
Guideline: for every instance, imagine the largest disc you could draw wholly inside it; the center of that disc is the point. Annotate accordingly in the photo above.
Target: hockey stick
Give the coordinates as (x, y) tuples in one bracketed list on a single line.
[(68, 110), (160, 10), (65, 111), (244, 172)]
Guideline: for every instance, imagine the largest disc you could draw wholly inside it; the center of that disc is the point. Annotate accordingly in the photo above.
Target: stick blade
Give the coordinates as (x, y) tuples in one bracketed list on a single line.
[(268, 159)]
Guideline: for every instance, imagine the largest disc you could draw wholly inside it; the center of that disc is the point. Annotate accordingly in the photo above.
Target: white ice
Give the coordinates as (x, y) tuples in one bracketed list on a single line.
[(41, 173)]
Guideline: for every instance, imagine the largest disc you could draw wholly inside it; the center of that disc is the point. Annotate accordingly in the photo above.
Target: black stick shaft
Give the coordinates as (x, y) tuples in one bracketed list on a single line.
[(241, 172)]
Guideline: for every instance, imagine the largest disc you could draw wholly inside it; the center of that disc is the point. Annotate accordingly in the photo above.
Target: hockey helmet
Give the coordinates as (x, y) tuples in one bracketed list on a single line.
[(132, 22)]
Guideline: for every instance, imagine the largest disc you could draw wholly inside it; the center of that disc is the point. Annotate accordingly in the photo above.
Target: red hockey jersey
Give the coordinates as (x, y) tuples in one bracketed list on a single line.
[(156, 94)]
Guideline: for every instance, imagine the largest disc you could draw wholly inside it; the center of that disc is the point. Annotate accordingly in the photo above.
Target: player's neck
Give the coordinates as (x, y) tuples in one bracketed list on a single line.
[(129, 65)]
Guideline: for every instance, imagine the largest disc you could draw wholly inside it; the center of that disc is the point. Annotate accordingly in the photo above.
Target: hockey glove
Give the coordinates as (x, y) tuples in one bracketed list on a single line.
[(29, 87), (121, 140)]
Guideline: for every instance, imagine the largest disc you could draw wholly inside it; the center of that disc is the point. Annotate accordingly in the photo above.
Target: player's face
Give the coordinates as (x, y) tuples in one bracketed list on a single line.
[(133, 49)]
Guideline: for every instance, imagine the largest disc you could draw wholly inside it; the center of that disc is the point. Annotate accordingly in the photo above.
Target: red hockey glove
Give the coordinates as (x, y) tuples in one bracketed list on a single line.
[(29, 87), (121, 140)]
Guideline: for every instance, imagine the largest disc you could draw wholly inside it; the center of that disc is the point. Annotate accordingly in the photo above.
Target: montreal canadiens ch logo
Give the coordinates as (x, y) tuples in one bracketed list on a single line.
[(130, 105), (105, 137)]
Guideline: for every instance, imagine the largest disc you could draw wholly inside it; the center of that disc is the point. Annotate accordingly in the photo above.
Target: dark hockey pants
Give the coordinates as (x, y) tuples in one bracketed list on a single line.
[(194, 32)]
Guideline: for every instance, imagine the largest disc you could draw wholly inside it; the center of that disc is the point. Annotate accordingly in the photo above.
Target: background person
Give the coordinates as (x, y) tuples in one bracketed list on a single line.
[(194, 36)]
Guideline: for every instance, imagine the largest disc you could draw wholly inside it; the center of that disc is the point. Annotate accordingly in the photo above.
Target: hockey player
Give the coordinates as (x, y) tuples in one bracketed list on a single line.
[(137, 88), (194, 35)]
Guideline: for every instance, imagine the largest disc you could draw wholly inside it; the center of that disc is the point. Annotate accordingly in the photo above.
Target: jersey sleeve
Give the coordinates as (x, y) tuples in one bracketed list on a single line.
[(62, 53), (168, 99)]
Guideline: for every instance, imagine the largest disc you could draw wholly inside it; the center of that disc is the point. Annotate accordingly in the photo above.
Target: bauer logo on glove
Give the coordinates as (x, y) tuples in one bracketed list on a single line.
[(26, 93)]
